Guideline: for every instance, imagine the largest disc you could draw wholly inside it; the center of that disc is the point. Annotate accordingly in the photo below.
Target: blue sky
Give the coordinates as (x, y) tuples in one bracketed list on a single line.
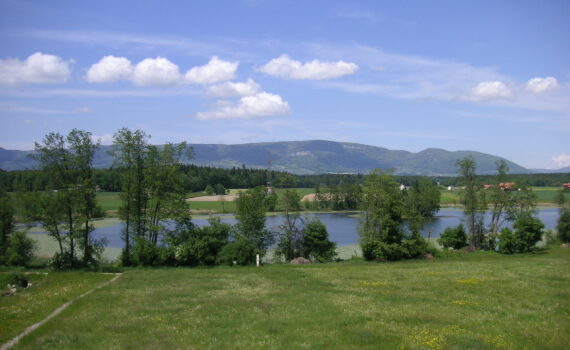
[(489, 76)]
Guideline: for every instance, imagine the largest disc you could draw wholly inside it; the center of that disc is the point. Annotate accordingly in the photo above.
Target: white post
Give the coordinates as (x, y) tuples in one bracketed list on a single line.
[(257, 260)]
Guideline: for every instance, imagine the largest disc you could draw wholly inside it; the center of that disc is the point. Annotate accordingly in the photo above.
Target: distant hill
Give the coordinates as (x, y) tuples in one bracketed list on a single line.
[(561, 170), (309, 157)]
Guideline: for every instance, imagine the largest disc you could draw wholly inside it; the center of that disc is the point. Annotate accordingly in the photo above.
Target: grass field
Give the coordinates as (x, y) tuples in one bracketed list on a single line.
[(48, 291), (472, 301), (110, 202)]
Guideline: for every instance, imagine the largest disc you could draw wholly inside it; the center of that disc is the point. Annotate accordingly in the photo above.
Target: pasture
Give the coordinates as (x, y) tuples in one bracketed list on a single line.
[(466, 301)]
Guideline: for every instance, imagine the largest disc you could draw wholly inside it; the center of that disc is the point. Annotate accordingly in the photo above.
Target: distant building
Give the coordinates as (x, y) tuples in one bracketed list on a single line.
[(566, 185), (507, 186), (488, 186)]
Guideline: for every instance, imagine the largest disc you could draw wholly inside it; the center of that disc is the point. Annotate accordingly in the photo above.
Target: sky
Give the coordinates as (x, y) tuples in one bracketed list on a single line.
[(487, 76)]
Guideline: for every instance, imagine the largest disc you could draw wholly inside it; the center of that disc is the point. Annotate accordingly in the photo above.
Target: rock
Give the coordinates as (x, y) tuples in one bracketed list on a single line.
[(300, 260)]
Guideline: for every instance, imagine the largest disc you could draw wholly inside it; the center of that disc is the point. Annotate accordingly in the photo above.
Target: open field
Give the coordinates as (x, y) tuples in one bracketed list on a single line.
[(110, 202), (471, 301), (48, 291)]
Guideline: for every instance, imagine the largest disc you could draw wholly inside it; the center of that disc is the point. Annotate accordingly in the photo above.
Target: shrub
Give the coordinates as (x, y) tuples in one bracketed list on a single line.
[(453, 237), (62, 261), (20, 249), (563, 226), (242, 251), (145, 253), (528, 231), (316, 244)]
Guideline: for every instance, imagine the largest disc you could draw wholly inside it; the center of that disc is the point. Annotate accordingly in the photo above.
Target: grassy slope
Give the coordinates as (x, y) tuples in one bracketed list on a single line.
[(476, 301), (47, 293)]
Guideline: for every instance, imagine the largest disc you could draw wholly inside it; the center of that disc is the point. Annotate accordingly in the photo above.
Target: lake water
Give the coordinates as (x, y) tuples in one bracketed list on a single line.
[(342, 227)]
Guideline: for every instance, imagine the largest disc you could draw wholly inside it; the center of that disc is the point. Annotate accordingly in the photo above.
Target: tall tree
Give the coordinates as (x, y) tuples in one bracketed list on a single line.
[(129, 151), (6, 222), (57, 165), (83, 150), (471, 200), (250, 213)]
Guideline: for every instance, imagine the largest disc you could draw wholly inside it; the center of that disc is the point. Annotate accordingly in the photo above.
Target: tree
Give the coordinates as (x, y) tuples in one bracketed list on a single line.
[(250, 214), (453, 237), (316, 244), (291, 235), (82, 149), (6, 222), (129, 151), (563, 225), (471, 201), (421, 201), (528, 231), (57, 165), (20, 249)]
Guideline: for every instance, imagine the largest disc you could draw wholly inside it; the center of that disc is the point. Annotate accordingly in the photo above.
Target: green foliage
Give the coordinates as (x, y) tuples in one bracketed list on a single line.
[(202, 245), (145, 253), (241, 251), (563, 226), (383, 207), (250, 214), (20, 249), (316, 244), (209, 190), (527, 232), (453, 237), (271, 201), (6, 223)]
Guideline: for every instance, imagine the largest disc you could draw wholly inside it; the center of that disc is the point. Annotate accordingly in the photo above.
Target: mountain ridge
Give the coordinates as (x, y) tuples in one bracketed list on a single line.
[(308, 157)]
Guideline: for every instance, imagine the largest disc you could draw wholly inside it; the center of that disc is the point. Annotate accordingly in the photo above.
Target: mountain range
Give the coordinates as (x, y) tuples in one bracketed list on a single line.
[(309, 157)]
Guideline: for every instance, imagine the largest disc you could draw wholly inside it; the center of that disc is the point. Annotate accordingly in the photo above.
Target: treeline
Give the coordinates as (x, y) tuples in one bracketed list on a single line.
[(196, 178)]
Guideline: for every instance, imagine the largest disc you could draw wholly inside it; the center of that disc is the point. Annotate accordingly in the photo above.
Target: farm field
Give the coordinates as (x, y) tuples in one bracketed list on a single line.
[(110, 201), (470, 301)]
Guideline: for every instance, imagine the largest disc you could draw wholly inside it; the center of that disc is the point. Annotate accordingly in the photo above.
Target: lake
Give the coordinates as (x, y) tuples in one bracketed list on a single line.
[(342, 226)]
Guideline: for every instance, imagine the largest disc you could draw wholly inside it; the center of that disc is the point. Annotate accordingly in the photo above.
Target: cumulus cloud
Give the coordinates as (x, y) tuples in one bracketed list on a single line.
[(285, 67), (562, 160), (231, 89), (39, 68), (156, 71), (215, 71), (105, 139), (490, 90), (110, 69), (538, 85), (262, 104)]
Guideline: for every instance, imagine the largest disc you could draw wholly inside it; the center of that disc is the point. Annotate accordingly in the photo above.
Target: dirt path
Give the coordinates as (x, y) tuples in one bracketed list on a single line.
[(218, 198), (56, 312)]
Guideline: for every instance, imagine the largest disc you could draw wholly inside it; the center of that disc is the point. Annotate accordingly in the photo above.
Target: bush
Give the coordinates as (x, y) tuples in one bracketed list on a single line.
[(453, 237), (316, 244), (16, 279), (242, 251), (145, 253), (62, 261), (20, 249), (528, 231), (563, 226)]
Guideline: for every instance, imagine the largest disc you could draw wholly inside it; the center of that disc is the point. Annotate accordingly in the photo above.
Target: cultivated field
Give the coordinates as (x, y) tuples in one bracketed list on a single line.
[(470, 301)]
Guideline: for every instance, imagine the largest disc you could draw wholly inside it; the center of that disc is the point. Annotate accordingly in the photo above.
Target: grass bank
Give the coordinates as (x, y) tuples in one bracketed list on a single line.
[(471, 301)]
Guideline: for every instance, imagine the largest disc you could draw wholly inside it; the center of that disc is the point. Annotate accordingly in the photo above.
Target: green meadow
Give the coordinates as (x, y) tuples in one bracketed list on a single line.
[(465, 301)]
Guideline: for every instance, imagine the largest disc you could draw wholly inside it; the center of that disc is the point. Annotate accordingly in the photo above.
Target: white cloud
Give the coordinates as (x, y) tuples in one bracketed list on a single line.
[(562, 160), (231, 89), (110, 69), (156, 71), (39, 68), (285, 67), (106, 139), (539, 85), (262, 104), (14, 108), (490, 90), (215, 71)]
